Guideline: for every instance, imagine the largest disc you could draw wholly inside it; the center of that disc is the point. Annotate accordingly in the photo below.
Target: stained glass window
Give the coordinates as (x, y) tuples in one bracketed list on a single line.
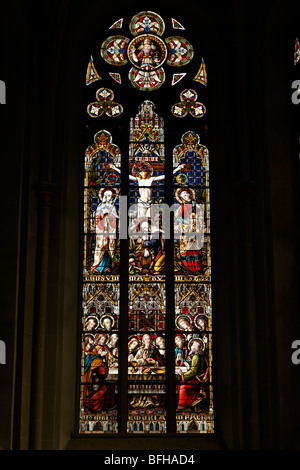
[(146, 297), (296, 51), (192, 286), (101, 292)]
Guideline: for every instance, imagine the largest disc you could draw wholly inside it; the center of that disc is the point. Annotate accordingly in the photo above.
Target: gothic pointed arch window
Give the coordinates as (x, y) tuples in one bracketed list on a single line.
[(146, 340)]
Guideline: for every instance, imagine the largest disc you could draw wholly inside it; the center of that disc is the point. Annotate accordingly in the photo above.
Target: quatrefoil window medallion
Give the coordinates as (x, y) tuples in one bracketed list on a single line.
[(147, 51)]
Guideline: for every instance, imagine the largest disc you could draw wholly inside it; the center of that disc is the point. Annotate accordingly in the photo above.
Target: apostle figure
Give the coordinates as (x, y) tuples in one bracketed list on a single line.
[(191, 390), (106, 227), (189, 229)]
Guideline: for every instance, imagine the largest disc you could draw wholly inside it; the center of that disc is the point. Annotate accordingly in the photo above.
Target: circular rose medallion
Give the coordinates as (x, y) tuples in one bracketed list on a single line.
[(147, 52)]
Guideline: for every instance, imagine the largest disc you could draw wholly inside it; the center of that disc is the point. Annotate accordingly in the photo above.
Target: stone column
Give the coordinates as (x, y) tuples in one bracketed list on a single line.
[(45, 192)]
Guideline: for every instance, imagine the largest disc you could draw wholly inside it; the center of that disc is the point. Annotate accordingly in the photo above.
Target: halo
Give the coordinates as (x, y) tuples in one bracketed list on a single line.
[(197, 340), (102, 191), (133, 337), (187, 189), (201, 316), (179, 317), (92, 317), (107, 316), (91, 335)]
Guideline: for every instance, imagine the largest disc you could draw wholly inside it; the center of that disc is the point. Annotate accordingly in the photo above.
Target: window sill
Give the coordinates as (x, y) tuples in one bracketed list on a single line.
[(137, 442)]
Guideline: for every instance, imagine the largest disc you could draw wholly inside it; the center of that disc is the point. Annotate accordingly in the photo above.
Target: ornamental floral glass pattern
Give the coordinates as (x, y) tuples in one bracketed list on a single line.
[(127, 303)]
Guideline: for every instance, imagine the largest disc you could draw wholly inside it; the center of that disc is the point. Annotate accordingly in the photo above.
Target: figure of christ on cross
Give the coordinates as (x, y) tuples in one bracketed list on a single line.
[(145, 184)]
